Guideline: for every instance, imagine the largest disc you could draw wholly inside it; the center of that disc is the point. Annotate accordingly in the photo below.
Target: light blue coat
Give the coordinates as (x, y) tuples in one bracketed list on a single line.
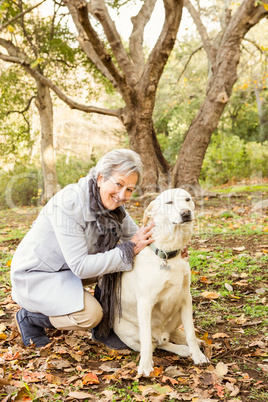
[(58, 252)]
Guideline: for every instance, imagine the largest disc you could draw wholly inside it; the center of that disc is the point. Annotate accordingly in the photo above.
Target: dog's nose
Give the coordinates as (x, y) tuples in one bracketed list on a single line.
[(186, 215)]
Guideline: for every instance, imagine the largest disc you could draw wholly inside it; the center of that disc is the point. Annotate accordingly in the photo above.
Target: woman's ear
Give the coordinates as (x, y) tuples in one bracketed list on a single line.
[(99, 180)]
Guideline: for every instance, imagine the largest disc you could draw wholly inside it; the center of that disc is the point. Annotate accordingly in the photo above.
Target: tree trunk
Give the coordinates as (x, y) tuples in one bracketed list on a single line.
[(224, 60), (45, 109), (142, 139), (192, 152), (263, 116)]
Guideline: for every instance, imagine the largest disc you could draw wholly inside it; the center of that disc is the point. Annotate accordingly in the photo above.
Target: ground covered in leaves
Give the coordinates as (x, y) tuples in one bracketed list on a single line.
[(228, 256)]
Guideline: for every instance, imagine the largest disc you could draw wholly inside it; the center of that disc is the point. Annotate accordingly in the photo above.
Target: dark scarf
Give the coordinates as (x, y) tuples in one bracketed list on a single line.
[(109, 230)]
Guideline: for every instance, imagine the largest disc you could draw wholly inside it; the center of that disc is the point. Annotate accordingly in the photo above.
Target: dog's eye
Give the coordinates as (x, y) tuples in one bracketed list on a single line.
[(188, 199), (169, 202)]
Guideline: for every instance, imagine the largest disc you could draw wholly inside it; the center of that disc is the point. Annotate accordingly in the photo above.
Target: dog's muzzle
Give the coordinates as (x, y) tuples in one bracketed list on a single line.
[(186, 215)]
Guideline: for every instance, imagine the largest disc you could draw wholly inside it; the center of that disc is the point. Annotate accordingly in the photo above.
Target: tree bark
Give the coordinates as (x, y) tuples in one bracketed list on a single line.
[(135, 79), (142, 139), (224, 61), (263, 116), (45, 108)]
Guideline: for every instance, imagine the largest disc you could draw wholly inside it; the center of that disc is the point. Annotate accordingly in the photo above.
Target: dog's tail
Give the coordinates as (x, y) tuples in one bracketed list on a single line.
[(178, 337)]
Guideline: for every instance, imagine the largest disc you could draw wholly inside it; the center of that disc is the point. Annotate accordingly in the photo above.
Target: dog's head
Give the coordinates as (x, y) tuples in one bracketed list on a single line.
[(173, 214)]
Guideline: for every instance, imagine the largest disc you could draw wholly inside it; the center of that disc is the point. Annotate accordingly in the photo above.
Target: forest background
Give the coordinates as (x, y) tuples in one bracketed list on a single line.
[(186, 87), (51, 88)]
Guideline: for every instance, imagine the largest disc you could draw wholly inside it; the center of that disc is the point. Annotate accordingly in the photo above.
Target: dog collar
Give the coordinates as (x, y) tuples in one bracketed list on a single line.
[(164, 254)]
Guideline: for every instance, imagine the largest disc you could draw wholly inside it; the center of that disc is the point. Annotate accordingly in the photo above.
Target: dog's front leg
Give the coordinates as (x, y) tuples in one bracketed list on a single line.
[(187, 321), (144, 307)]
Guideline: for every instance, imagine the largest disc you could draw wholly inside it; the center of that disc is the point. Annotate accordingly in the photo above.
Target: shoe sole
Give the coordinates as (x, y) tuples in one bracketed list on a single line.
[(16, 321)]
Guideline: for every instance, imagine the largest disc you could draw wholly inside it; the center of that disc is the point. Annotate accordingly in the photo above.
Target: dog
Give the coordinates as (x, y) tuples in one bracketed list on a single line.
[(155, 295)]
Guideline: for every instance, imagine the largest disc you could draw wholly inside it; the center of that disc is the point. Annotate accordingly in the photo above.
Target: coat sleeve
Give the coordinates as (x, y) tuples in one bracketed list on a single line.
[(70, 235)]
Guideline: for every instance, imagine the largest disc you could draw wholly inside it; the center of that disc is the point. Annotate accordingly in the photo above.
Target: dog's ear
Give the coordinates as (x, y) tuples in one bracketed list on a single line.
[(148, 213)]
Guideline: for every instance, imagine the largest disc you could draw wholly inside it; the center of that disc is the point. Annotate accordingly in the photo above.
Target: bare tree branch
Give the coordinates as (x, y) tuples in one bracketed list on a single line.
[(2, 27), (188, 61), (87, 46), (13, 50), (136, 38), (80, 6), (262, 51), (164, 45), (100, 11), (25, 109), (27, 36), (202, 30), (71, 103)]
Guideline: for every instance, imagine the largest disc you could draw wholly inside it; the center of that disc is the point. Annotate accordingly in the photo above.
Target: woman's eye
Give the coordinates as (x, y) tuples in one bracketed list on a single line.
[(130, 190), (118, 185)]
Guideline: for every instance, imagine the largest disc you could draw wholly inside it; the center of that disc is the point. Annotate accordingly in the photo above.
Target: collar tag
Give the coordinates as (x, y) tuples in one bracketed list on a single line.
[(165, 266)]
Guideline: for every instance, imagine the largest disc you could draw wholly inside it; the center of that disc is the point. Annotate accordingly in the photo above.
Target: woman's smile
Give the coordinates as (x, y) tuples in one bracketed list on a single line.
[(117, 189)]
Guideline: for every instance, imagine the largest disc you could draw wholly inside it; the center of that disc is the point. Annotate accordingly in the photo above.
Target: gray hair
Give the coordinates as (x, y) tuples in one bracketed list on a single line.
[(119, 160)]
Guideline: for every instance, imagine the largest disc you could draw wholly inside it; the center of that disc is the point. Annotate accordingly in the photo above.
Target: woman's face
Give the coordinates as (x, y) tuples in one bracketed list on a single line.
[(117, 189)]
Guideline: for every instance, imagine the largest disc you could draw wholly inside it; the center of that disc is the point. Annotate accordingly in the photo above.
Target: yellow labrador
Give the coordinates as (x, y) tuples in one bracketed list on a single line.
[(155, 296)]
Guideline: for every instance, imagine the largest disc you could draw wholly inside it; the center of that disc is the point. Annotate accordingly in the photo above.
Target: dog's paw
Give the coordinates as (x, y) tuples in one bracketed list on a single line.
[(199, 358), (145, 369)]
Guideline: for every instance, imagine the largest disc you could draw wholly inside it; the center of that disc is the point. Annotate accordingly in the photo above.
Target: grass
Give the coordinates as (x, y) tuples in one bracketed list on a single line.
[(240, 313), (213, 270), (261, 188)]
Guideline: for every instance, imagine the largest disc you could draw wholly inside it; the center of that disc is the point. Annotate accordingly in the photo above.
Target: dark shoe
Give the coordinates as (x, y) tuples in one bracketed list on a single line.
[(111, 340), (32, 327)]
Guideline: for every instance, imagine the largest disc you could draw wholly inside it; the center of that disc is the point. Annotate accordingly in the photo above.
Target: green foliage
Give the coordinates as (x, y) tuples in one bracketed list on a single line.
[(70, 170), (179, 98), (23, 185), (229, 156), (16, 139), (241, 115), (19, 186)]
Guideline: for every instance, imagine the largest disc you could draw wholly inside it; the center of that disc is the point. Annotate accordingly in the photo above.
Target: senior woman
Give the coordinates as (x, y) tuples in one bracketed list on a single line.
[(83, 233)]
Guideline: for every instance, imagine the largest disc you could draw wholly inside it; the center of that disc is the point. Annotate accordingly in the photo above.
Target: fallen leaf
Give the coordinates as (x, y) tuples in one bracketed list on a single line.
[(220, 335), (79, 395), (170, 379), (157, 372), (239, 249), (90, 378), (234, 297), (10, 356), (221, 369), (203, 279), (220, 390), (27, 376), (233, 389), (172, 371), (155, 388), (109, 366), (210, 295), (3, 336), (228, 287)]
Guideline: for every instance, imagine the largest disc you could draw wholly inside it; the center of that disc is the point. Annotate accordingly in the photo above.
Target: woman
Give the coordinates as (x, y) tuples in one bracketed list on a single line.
[(83, 233)]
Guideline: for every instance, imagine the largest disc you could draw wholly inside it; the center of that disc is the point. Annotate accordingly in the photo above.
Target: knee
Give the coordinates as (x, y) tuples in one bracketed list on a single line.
[(96, 317)]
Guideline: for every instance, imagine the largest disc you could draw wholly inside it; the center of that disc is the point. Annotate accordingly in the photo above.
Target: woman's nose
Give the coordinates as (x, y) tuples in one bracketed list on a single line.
[(122, 193)]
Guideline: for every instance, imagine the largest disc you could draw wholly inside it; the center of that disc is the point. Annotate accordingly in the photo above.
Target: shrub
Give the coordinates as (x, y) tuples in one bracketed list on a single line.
[(23, 185), (229, 156), (70, 170), (19, 186)]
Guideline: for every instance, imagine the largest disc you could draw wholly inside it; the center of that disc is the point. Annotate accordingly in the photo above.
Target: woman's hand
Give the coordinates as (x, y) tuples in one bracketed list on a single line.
[(142, 238)]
